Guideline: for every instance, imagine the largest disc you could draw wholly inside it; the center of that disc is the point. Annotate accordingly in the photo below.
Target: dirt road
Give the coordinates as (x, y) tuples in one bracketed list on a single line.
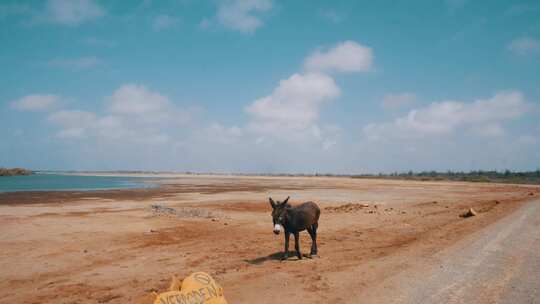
[(498, 264), (111, 247)]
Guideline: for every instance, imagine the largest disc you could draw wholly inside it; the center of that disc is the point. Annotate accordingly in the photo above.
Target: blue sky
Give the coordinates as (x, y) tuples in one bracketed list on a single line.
[(270, 86)]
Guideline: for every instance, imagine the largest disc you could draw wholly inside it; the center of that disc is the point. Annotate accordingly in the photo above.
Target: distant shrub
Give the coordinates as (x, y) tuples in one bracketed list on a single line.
[(507, 176), (14, 171)]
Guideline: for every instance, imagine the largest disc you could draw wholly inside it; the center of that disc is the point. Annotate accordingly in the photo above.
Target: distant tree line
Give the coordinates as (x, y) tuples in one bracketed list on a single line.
[(487, 176), (507, 176)]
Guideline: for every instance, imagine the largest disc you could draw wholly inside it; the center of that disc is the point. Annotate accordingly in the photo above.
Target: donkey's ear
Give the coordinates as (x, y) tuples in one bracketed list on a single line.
[(272, 203), (286, 200)]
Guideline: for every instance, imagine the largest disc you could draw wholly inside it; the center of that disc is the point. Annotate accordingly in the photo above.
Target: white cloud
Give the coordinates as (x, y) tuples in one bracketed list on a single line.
[(395, 101), (136, 99), (483, 117), (489, 130), (294, 105), (292, 111), (71, 133), (146, 105), (328, 144), (348, 56), (72, 12), (524, 46), (74, 123), (75, 63), (134, 114), (35, 102), (163, 22), (71, 118), (219, 133), (242, 15)]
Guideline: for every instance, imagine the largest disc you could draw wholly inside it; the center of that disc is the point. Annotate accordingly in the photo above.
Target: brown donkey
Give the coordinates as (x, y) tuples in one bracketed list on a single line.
[(293, 220)]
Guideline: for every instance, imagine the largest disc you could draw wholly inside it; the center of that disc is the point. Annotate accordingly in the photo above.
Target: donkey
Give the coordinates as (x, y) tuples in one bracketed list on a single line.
[(293, 220)]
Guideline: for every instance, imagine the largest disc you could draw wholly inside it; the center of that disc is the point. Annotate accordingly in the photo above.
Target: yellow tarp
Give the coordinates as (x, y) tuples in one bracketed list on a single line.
[(198, 288)]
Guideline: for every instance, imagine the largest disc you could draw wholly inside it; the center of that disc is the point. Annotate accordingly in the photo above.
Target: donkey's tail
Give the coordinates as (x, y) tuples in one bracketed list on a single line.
[(317, 215)]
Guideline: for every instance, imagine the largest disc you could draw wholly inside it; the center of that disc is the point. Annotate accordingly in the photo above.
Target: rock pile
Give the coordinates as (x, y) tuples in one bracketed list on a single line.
[(183, 212), (347, 208)]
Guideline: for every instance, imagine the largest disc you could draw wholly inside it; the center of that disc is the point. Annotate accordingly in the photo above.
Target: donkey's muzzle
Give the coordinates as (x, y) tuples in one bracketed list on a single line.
[(277, 228)]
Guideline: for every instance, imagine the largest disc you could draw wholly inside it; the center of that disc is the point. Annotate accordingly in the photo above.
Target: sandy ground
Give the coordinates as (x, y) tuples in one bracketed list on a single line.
[(110, 247)]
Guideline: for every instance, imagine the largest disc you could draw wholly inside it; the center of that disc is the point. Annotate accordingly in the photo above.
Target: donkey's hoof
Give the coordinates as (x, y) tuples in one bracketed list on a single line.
[(313, 255)]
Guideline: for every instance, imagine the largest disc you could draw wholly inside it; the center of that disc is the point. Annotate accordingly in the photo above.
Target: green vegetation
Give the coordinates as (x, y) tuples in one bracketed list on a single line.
[(14, 171), (509, 177), (528, 177)]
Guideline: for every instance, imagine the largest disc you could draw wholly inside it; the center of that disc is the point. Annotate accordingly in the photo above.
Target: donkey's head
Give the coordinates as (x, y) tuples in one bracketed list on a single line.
[(279, 213)]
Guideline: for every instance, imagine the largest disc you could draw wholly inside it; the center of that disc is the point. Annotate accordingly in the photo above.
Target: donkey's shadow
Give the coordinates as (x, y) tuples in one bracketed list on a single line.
[(277, 256)]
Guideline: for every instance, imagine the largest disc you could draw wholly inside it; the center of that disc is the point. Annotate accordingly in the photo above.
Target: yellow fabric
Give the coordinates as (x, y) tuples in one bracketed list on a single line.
[(198, 288)]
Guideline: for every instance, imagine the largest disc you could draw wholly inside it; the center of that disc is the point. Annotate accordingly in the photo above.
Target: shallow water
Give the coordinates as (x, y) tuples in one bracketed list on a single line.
[(61, 182)]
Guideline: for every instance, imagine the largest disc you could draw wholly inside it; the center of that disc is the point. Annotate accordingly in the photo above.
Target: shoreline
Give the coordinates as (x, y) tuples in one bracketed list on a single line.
[(56, 182), (168, 184), (397, 178)]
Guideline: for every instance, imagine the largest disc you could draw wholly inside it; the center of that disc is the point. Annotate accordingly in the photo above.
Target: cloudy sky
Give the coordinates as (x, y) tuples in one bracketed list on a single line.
[(269, 85)]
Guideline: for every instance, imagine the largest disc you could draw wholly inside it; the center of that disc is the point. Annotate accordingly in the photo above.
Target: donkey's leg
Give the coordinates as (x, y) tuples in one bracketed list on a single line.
[(315, 227), (297, 245), (286, 252), (313, 234)]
